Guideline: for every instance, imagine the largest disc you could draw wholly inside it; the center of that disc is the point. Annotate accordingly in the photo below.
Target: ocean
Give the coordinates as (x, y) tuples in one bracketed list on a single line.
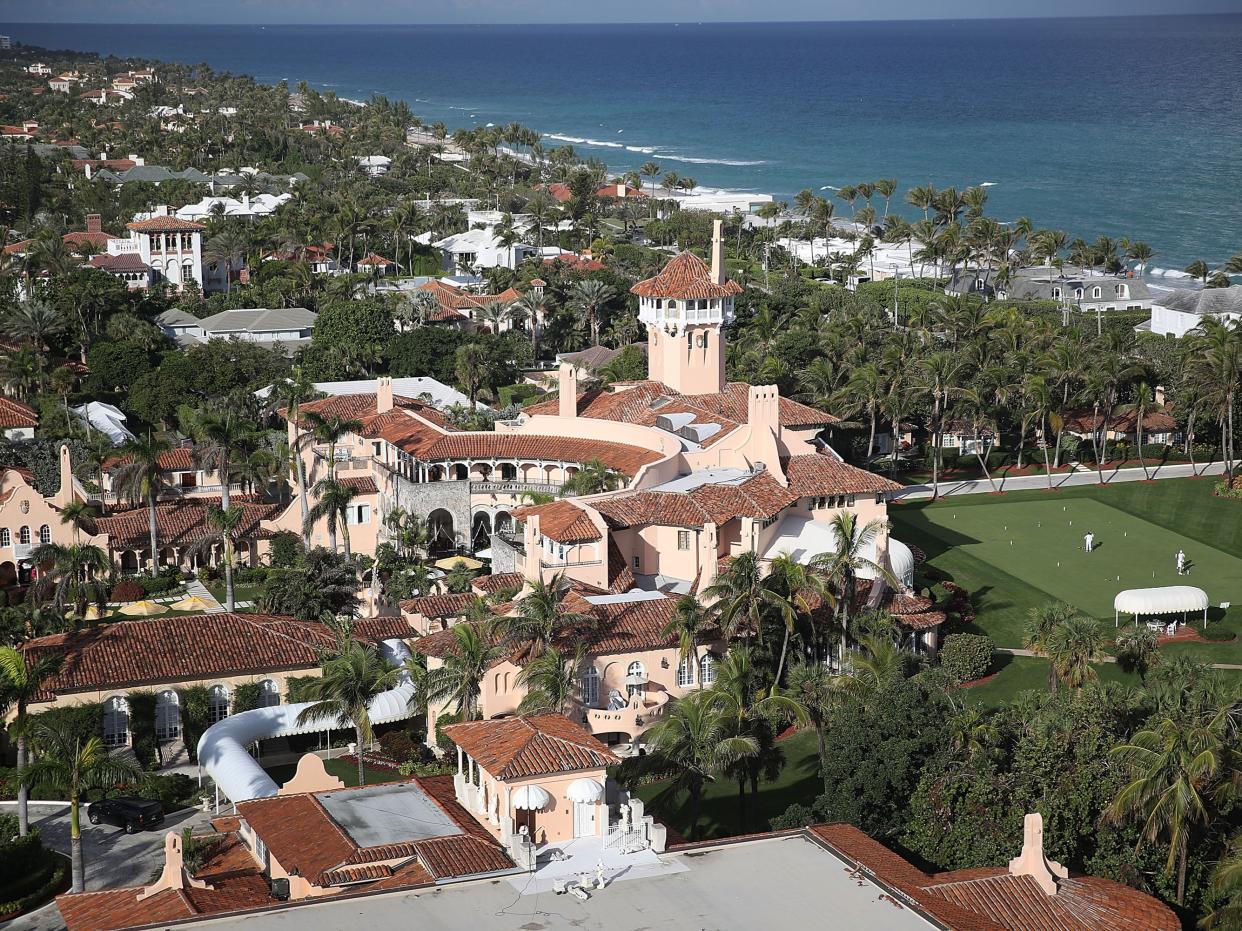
[(1123, 127)]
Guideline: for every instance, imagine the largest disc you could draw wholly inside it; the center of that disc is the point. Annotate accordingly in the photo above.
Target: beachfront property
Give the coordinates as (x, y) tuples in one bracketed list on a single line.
[(284, 328), (1085, 289), (481, 248), (1177, 312)]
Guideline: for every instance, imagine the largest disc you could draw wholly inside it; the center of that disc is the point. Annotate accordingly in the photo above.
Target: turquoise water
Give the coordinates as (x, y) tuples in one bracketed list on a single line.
[(1125, 127)]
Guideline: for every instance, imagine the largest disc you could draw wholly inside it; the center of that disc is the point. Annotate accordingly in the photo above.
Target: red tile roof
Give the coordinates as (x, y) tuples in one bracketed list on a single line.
[(363, 407), (374, 259), (993, 900), (1157, 421), (363, 485), (175, 649), (574, 262), (437, 606), (299, 832), (178, 523), (168, 224), (125, 262), (179, 458), (562, 521), (490, 584), (817, 474), (686, 277), (621, 457), (515, 748), (16, 414), (761, 496)]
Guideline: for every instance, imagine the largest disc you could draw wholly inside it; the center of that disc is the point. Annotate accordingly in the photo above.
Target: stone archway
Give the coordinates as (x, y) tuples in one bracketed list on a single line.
[(480, 530), (503, 522), (8, 574), (441, 530)]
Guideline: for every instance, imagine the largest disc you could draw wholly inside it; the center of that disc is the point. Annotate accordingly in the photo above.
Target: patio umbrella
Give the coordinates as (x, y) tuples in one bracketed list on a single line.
[(530, 798), (145, 608), (192, 603), (94, 614), (449, 562)]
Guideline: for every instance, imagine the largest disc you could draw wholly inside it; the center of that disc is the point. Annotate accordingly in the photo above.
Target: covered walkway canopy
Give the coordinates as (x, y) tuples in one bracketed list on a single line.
[(1171, 599)]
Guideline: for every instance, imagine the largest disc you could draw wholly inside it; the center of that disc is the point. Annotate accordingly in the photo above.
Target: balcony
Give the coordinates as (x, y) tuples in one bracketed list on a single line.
[(513, 488), (643, 710)]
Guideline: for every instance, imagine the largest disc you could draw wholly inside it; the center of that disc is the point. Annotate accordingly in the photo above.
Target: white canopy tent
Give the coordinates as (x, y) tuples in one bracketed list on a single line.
[(1171, 599), (804, 538)]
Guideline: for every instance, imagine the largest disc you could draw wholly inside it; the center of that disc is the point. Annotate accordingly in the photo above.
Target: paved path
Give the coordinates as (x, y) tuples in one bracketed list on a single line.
[(1106, 659), (195, 587), (1061, 480)]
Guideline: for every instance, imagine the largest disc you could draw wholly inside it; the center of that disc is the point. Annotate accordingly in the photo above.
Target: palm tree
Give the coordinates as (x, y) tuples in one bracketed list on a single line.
[(458, 679), (742, 598), (593, 478), (818, 693), (222, 249), (292, 393), (471, 365), (541, 616), (329, 429), (840, 570), (81, 514), (1138, 650), (332, 500), (798, 590), (73, 573), (351, 678), (1143, 405), (222, 527), (694, 743), (876, 665), (589, 297), (1198, 269), (66, 765), (1180, 770), (1227, 885), (19, 684), (1073, 645), (687, 625), (939, 374), (1041, 622), (219, 439), (142, 479), (550, 680)]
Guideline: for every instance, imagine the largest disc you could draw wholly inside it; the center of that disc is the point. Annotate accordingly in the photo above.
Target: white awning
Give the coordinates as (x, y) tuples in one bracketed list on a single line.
[(530, 798), (804, 538), (1171, 599), (584, 790)]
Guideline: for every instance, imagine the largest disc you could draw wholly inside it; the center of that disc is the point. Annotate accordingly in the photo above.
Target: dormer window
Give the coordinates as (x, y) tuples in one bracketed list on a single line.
[(1096, 292), (1123, 292), (1078, 293), (1056, 294)]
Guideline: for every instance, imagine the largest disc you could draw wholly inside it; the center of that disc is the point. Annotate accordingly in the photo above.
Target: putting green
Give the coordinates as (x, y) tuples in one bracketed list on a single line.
[(1041, 544)]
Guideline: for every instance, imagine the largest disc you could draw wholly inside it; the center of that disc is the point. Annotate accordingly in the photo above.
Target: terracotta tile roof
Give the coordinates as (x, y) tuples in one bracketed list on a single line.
[(620, 574), (382, 852), (178, 523), (760, 497), (374, 259), (174, 649), (817, 474), (299, 832), (562, 521), (645, 401), (179, 458), (119, 908), (490, 584), (991, 899), (363, 485), (514, 748), (686, 277), (630, 626), (574, 262), (436, 606), (168, 224), (16, 414), (362, 407), (462, 856), (1158, 421), (621, 457), (125, 262), (453, 300)]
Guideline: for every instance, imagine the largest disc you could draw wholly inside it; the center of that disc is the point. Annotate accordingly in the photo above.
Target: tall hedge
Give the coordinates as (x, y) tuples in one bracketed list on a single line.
[(142, 728), (194, 710), (82, 721), (967, 657), (245, 697)]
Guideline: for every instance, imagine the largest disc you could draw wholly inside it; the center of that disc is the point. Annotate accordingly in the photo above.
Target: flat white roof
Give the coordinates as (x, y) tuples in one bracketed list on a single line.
[(705, 477)]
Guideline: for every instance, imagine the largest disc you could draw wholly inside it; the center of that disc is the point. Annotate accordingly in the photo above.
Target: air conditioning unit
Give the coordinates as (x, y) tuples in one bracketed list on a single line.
[(280, 889)]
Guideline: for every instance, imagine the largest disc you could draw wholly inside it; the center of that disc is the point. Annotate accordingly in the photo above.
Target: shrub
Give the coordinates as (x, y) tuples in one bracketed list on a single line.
[(399, 747), (251, 574), (160, 585), (967, 657), (286, 550), (442, 739), (245, 697), (297, 688), (82, 721), (128, 590), (173, 790), (510, 395), (427, 768), (194, 710), (142, 727)]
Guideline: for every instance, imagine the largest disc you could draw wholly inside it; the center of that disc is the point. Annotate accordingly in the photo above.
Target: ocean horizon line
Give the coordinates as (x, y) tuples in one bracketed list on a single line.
[(612, 24)]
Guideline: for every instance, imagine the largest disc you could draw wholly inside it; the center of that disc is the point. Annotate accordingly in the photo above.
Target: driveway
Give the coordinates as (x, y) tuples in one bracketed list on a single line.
[(112, 857)]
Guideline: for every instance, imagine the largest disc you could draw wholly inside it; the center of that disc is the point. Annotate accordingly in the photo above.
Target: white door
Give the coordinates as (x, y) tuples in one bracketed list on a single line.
[(584, 819)]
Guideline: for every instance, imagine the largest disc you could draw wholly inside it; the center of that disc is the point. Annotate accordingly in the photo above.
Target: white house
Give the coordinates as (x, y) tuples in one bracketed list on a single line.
[(38, 68), (172, 248), (261, 205), (1176, 313), (281, 327), (374, 165), (481, 248)]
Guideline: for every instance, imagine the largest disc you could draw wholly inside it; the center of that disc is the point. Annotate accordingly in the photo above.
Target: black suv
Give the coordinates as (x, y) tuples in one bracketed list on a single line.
[(125, 811)]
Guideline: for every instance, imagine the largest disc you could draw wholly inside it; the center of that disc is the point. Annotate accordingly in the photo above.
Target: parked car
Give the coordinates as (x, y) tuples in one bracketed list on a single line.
[(126, 811)]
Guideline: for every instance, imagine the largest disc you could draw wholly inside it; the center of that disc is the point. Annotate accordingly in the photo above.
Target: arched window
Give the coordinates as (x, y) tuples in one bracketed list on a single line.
[(1096, 292), (589, 684), (1056, 294), (116, 722), (1123, 292), (217, 703), (6, 538), (167, 715), (269, 693), (1078, 293), (685, 672), (23, 536), (635, 678), (45, 534), (707, 669)]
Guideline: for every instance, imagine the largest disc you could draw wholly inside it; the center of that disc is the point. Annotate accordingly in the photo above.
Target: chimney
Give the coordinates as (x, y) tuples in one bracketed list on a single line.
[(1160, 395), (567, 384), (173, 876), (718, 264), (383, 394), (94, 224), (1032, 862), (64, 494)]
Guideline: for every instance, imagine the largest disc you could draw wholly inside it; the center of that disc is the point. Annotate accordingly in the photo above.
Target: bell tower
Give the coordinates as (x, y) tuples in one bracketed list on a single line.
[(684, 308)]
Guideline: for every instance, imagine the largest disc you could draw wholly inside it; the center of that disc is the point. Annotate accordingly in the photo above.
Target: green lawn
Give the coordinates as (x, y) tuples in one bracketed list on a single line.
[(346, 771), (1022, 549), (798, 782), (240, 592)]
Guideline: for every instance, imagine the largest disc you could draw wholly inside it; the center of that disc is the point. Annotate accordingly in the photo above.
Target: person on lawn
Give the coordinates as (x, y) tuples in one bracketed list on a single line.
[(1088, 541), (1181, 562)]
